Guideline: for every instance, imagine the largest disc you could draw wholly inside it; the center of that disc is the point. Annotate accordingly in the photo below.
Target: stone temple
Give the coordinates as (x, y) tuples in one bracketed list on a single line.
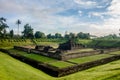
[(70, 45)]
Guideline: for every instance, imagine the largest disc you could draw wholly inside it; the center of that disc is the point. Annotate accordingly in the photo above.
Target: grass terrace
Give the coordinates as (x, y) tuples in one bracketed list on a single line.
[(33, 56), (9, 43), (89, 58), (49, 42), (80, 50), (115, 53), (61, 64), (53, 44), (9, 71), (51, 61)]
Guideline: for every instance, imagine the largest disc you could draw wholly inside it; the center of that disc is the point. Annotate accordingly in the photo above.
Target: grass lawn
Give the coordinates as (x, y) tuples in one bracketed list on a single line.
[(12, 69), (53, 44), (89, 58), (61, 64), (80, 50), (51, 61), (116, 52), (33, 56), (7, 44)]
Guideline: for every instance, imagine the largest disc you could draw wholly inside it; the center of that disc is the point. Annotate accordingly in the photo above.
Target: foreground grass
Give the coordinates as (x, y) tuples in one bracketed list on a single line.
[(12, 69)]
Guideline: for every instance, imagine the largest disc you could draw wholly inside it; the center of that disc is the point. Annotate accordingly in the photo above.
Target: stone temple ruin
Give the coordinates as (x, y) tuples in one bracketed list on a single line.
[(70, 45), (65, 51)]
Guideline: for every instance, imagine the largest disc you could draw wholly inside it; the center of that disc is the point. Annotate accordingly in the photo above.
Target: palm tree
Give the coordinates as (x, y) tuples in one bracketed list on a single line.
[(18, 22)]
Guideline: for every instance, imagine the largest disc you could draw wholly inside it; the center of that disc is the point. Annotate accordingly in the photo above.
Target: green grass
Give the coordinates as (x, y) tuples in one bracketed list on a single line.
[(53, 44), (9, 43), (20, 42), (115, 53), (84, 41), (89, 58), (12, 69), (33, 56), (61, 64), (80, 50), (105, 43), (51, 61)]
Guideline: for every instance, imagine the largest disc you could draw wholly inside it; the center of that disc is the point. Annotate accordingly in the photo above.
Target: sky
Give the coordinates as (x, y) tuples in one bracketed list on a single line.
[(97, 17)]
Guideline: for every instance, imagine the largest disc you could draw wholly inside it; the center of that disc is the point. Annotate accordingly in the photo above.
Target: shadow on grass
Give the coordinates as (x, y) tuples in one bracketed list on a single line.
[(114, 77)]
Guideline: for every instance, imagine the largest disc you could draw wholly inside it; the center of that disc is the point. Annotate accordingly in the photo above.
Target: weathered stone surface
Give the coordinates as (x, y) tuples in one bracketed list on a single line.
[(70, 45)]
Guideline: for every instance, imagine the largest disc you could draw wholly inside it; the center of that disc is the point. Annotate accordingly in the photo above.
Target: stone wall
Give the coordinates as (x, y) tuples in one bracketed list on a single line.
[(22, 48), (80, 54), (63, 56), (80, 67), (70, 45)]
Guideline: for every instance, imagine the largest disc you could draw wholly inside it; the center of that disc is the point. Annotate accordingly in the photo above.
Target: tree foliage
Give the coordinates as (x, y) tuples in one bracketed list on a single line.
[(39, 34), (11, 33), (82, 35), (3, 27), (58, 35), (28, 31)]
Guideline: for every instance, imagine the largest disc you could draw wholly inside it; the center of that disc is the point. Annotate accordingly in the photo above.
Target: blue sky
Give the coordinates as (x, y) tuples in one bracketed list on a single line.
[(98, 17)]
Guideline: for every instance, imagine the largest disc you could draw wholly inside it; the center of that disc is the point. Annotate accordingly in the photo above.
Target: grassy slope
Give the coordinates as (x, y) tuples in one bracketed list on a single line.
[(12, 69)]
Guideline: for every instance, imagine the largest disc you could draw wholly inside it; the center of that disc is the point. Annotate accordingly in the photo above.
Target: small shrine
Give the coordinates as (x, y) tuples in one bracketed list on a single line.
[(70, 45)]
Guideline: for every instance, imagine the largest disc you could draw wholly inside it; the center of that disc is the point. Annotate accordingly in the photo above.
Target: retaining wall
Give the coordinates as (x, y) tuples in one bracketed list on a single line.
[(63, 56)]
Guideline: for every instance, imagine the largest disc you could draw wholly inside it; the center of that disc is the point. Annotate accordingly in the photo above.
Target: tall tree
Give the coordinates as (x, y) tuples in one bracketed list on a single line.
[(18, 22), (11, 33), (49, 36), (83, 35), (72, 35), (3, 27), (39, 34), (58, 35), (28, 31)]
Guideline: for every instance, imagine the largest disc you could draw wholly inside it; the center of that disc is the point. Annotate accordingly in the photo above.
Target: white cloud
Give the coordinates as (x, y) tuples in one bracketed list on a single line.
[(97, 14), (110, 25), (42, 15), (114, 9), (86, 4)]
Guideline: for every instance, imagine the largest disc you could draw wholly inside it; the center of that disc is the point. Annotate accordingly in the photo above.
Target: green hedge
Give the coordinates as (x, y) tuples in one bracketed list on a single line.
[(105, 43)]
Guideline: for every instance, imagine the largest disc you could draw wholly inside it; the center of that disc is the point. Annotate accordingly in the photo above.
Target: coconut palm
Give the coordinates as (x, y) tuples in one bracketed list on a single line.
[(18, 22)]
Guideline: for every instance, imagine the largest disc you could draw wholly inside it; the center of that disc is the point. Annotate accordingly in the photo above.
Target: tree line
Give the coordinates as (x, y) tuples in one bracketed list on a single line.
[(28, 32)]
